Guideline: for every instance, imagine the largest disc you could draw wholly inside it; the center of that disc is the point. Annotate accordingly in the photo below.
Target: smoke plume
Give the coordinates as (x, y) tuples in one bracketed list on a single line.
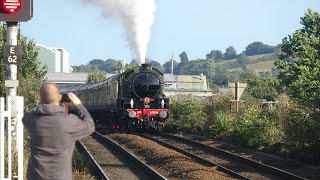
[(137, 17)]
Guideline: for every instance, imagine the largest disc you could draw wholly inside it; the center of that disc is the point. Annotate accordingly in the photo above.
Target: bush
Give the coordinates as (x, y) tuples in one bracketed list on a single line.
[(219, 124), (289, 129), (169, 125), (189, 114), (255, 128), (218, 103), (302, 133)]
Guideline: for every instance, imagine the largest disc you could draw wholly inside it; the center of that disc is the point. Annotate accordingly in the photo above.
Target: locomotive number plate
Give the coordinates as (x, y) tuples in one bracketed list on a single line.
[(153, 112)]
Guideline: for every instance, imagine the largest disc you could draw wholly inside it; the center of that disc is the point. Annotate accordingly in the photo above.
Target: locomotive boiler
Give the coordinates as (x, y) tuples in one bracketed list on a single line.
[(130, 100)]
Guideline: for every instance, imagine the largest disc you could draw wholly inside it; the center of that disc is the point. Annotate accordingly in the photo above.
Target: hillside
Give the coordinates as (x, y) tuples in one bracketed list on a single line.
[(262, 66), (257, 63)]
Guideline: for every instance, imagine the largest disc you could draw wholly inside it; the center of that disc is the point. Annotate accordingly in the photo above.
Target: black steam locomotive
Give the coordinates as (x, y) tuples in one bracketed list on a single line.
[(131, 100)]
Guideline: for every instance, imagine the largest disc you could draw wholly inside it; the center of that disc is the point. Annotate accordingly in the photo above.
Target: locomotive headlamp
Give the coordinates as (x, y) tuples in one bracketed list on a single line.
[(146, 100), (132, 114), (162, 103), (131, 103), (163, 114)]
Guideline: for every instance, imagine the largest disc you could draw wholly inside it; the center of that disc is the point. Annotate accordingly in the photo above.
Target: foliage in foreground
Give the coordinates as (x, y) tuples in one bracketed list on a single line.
[(188, 114), (288, 129)]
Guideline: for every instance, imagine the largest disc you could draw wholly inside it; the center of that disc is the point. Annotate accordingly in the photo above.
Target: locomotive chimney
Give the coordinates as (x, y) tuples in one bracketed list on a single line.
[(147, 67)]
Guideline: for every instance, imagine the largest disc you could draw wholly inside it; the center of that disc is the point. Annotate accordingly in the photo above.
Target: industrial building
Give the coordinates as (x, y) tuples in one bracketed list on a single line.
[(56, 60)]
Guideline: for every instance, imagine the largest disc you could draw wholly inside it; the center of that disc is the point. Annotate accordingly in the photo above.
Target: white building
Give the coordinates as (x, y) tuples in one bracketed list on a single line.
[(56, 59)]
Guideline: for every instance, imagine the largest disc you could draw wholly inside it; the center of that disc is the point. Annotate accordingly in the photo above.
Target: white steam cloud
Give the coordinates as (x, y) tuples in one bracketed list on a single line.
[(137, 17)]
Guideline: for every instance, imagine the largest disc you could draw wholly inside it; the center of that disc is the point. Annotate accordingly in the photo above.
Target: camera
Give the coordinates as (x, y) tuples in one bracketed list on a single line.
[(65, 98)]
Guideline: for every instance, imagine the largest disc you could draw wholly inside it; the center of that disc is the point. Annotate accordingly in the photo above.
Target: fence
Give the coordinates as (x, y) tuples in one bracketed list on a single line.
[(11, 137)]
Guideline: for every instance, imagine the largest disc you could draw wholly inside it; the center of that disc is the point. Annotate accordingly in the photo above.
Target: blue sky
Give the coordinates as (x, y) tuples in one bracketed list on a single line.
[(194, 26)]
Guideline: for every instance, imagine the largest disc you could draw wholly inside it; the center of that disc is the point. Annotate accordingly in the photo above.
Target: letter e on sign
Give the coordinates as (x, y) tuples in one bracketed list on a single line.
[(12, 54)]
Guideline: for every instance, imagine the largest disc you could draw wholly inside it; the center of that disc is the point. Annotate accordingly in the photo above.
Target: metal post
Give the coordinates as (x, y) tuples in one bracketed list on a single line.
[(12, 39), (9, 135), (16, 111), (19, 134), (237, 97), (2, 124), (236, 85)]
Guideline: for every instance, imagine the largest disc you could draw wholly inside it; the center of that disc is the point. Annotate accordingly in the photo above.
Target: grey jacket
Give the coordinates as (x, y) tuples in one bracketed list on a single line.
[(53, 134)]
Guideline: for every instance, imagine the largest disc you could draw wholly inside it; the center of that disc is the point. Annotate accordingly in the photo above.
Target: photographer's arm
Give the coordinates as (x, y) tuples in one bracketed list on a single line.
[(79, 126)]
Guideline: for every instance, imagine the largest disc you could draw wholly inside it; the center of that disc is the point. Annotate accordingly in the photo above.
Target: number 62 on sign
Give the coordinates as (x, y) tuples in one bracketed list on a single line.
[(12, 54)]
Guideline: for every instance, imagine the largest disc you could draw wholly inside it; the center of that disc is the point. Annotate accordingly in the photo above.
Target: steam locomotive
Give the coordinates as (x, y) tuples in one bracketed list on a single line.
[(132, 100)]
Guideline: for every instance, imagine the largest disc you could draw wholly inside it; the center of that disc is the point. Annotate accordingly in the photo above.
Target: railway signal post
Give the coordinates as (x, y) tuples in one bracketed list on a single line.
[(237, 90), (12, 12)]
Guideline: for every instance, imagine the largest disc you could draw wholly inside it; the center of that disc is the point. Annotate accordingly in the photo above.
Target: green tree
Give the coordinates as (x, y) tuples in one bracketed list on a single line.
[(200, 66), (230, 53), (96, 76), (167, 66), (301, 76), (258, 48), (184, 57), (109, 66), (156, 65), (215, 54), (262, 87), (30, 73), (97, 62), (219, 77), (83, 68), (242, 59), (134, 62)]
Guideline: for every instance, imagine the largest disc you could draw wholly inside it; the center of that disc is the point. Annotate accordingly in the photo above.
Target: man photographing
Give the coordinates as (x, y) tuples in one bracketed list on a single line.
[(53, 133)]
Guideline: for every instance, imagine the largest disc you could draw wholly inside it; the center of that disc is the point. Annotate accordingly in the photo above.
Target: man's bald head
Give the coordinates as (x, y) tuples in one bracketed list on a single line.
[(49, 94)]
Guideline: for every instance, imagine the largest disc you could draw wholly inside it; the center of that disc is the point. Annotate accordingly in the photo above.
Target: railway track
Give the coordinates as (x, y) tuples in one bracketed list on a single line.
[(173, 164), (111, 161), (298, 168), (233, 164)]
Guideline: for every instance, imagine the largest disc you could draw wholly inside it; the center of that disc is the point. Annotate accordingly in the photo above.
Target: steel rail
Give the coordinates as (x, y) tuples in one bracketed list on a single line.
[(155, 175), (97, 168), (195, 157), (263, 167)]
